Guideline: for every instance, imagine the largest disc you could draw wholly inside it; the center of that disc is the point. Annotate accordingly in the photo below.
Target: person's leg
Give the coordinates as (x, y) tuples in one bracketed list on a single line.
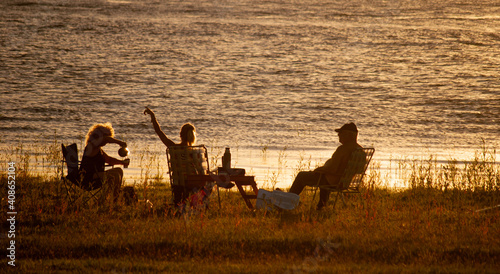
[(303, 179), (324, 196), (179, 194), (310, 178), (114, 179)]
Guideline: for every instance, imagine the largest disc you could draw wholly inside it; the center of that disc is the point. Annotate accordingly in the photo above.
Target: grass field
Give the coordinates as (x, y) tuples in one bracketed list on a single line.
[(445, 221)]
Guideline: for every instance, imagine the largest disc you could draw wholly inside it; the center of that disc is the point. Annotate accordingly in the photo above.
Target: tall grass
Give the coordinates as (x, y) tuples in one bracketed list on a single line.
[(443, 221)]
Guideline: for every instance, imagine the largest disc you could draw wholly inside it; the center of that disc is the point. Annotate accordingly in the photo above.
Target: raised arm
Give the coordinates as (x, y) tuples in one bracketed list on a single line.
[(157, 128)]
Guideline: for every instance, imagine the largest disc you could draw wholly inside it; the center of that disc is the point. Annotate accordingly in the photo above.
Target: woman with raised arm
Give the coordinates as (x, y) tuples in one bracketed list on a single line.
[(187, 134), (94, 160), (188, 138)]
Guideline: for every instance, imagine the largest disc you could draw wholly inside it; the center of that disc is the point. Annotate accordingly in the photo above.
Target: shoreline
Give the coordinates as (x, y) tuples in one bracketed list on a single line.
[(273, 168)]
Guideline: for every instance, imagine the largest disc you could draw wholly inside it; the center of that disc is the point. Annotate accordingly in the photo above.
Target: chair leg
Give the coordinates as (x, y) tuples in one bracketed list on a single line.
[(315, 189), (336, 197), (93, 195), (342, 196), (314, 197), (70, 191), (218, 195)]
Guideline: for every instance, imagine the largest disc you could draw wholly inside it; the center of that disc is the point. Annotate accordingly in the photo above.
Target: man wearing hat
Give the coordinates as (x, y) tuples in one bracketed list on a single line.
[(333, 167)]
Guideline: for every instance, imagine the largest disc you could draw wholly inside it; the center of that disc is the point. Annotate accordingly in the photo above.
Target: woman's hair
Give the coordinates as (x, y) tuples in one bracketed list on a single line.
[(99, 131), (187, 133)]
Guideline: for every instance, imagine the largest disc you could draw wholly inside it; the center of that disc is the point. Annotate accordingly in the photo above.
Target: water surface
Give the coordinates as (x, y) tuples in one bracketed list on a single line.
[(270, 79)]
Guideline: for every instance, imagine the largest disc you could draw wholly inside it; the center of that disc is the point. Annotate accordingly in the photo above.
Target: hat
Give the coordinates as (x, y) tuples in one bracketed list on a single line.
[(350, 127)]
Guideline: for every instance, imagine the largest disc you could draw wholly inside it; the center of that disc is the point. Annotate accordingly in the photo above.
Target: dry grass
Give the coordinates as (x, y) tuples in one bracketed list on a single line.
[(434, 225)]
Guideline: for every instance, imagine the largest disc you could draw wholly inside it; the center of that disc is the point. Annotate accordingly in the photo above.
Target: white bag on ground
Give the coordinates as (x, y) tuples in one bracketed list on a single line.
[(284, 200)]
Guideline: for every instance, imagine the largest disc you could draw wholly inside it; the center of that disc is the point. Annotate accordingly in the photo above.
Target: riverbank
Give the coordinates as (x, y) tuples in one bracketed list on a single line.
[(427, 227), (273, 167)]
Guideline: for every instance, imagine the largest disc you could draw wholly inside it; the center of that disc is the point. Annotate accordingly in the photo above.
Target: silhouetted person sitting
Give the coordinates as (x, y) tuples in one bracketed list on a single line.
[(333, 168), (188, 138), (94, 160)]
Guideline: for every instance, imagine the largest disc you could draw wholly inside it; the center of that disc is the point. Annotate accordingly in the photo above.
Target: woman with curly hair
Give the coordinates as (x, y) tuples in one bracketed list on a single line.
[(94, 159)]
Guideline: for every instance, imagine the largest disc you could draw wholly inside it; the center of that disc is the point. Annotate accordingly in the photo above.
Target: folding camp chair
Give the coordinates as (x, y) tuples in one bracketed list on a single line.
[(351, 180), (72, 181), (189, 160)]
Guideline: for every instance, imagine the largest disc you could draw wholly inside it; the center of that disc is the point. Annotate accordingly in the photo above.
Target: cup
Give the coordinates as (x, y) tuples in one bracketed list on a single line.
[(123, 152)]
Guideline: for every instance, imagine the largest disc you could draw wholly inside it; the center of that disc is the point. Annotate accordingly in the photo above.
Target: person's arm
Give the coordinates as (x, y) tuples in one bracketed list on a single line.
[(332, 165), (111, 140), (92, 149), (113, 161), (157, 128)]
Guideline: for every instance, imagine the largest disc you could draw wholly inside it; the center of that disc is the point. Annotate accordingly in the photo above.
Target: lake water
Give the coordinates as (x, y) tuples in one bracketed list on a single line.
[(270, 79)]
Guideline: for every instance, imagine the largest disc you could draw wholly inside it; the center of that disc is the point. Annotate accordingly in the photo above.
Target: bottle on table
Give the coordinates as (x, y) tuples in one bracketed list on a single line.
[(226, 160)]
